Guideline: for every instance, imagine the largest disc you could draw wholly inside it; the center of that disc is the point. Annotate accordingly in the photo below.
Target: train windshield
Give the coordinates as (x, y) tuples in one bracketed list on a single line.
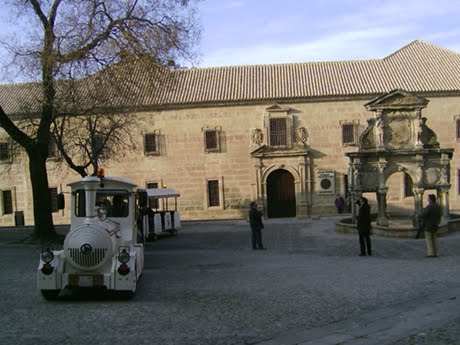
[(114, 203)]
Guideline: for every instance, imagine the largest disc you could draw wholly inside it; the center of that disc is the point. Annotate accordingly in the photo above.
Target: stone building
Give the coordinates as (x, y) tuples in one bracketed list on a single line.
[(278, 134)]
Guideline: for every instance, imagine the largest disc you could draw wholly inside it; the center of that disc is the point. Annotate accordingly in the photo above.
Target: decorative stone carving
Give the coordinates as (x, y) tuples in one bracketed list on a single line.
[(302, 135), (257, 136), (367, 139), (427, 136)]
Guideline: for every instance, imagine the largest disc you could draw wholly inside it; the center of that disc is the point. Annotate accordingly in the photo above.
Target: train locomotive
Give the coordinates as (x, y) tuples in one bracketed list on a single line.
[(103, 248)]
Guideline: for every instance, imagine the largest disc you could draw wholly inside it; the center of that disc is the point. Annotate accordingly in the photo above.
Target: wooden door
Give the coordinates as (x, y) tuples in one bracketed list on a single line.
[(281, 194)]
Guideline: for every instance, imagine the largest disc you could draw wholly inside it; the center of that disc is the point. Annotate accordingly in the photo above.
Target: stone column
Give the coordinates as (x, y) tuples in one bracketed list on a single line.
[(418, 199), (302, 208), (445, 186), (382, 194), (356, 192), (382, 215), (260, 186), (443, 199)]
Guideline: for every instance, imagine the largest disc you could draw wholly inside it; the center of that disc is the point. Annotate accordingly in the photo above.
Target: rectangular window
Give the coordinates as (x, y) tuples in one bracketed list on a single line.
[(153, 203), (7, 199), (80, 206), (151, 144), (278, 132), (4, 151), (348, 134), (457, 127), (53, 194), (211, 139), (213, 193)]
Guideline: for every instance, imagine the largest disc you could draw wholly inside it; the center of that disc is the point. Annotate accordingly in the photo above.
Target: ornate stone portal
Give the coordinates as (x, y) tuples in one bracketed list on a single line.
[(397, 139)]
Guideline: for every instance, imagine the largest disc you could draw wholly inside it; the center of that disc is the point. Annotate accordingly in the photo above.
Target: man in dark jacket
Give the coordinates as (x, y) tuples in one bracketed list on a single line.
[(431, 217), (255, 221), (364, 227)]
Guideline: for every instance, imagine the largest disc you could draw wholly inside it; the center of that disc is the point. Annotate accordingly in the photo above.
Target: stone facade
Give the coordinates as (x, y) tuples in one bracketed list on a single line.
[(278, 135), (244, 163)]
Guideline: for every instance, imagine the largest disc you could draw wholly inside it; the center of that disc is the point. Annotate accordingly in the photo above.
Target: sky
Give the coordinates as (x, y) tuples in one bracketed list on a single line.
[(252, 32), (256, 32)]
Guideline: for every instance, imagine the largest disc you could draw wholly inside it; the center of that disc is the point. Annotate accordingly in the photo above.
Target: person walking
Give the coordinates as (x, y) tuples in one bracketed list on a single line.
[(255, 221), (364, 226), (431, 217)]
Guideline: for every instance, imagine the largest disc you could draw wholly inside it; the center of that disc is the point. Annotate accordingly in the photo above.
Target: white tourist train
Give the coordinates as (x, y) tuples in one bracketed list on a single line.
[(104, 247)]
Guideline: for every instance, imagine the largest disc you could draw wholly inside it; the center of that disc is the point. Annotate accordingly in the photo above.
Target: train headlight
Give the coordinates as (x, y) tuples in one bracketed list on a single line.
[(123, 256), (47, 256)]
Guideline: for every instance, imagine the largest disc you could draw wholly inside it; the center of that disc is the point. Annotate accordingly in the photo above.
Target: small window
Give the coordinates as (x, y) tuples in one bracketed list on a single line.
[(408, 186), (348, 134), (4, 151), (151, 144), (54, 204), (213, 193), (211, 140), (278, 132), (7, 199), (153, 203), (457, 127)]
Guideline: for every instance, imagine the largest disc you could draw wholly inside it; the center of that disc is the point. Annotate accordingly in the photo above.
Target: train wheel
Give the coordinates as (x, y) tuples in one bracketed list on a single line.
[(50, 295)]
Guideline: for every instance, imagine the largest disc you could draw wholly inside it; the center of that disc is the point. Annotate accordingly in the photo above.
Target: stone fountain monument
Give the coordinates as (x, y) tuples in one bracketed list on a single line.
[(397, 139)]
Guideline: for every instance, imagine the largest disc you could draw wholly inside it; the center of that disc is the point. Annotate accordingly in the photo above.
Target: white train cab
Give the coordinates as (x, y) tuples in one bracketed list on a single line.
[(101, 249)]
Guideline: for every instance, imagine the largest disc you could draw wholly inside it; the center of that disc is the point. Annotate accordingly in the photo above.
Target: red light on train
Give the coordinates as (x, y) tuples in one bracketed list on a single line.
[(100, 172)]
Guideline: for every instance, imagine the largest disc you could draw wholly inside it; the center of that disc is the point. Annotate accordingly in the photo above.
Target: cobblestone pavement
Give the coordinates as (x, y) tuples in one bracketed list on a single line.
[(206, 286)]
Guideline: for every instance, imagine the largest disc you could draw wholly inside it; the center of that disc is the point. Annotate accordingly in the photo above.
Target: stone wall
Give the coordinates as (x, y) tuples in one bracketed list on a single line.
[(183, 163)]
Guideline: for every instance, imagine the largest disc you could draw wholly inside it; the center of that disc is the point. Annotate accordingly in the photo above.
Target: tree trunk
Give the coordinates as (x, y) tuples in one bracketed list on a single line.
[(44, 227)]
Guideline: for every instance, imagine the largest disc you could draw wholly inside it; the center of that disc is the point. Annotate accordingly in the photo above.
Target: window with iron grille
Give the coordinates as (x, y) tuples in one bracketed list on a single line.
[(278, 132), (98, 146), (151, 144), (211, 139), (7, 199), (408, 186), (457, 127), (4, 151), (213, 193), (53, 195), (153, 203), (348, 134)]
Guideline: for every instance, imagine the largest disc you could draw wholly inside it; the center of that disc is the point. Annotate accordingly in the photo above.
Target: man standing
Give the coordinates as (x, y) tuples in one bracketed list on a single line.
[(364, 227), (431, 217), (255, 221), (339, 203)]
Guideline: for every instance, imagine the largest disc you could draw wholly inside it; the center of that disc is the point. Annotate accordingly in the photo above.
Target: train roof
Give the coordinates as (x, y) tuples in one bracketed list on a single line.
[(108, 182)]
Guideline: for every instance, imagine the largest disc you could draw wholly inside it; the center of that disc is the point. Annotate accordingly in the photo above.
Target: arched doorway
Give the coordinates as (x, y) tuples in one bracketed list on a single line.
[(280, 194)]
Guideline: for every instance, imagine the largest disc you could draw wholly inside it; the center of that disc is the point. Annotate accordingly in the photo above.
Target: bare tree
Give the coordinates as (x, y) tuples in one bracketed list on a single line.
[(71, 44)]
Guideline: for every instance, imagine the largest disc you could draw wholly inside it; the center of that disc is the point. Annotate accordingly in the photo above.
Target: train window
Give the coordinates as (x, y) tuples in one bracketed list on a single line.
[(80, 208), (115, 202)]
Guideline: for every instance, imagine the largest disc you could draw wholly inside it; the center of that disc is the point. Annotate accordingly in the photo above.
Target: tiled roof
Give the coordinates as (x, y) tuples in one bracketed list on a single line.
[(419, 67)]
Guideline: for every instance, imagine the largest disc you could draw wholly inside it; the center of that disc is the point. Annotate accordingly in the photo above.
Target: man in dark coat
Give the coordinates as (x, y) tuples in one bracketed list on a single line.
[(255, 221), (364, 226), (339, 203), (431, 217)]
